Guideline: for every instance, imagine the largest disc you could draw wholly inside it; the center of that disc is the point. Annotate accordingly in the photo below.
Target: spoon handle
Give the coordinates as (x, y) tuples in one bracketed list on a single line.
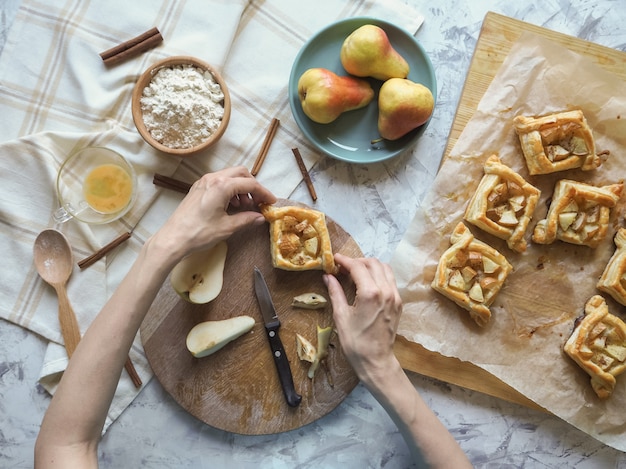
[(68, 322)]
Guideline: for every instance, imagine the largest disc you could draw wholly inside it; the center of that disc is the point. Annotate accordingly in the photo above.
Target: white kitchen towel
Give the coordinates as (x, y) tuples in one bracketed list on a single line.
[(56, 96)]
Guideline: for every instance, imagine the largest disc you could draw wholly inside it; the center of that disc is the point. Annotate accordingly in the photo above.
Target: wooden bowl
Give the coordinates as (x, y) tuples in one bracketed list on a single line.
[(146, 78)]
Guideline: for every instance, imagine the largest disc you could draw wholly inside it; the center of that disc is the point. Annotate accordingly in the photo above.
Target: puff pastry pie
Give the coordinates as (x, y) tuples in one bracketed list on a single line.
[(471, 273), (557, 142), (503, 204), (613, 279), (579, 213), (598, 345), (299, 238)]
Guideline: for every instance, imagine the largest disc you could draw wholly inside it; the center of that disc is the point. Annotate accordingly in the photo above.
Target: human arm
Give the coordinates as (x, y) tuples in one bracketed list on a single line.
[(367, 330), (73, 423)]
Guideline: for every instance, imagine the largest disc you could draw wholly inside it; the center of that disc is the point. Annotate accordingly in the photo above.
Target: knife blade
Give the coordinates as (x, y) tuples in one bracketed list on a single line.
[(272, 324)]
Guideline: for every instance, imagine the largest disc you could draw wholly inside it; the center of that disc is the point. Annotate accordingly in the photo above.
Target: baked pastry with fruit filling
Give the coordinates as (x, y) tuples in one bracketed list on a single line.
[(503, 204), (471, 273), (557, 142), (579, 213), (613, 279), (299, 239), (598, 345)]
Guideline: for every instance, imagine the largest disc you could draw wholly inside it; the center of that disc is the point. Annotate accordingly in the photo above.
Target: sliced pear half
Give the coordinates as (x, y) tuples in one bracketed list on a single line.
[(199, 277), (208, 337)]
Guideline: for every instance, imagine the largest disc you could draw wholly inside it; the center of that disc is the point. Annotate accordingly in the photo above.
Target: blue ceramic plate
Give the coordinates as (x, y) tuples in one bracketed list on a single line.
[(349, 137)]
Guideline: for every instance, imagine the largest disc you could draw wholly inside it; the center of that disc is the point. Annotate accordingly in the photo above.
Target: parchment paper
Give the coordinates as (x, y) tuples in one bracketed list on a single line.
[(534, 313)]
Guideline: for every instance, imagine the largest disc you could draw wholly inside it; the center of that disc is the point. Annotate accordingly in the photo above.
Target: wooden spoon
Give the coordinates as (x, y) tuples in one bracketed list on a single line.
[(54, 261)]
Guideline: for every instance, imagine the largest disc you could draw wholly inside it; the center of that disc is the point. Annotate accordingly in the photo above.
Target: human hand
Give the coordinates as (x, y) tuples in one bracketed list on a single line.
[(217, 205), (367, 328), (367, 331)]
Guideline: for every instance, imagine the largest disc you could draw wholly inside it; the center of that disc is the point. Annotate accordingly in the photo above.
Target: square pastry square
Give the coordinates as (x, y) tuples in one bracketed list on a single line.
[(598, 345), (613, 279), (503, 204), (471, 273), (299, 238), (557, 142), (579, 213)]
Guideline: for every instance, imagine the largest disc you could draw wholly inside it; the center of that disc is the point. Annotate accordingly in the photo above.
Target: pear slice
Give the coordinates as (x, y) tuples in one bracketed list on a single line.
[(208, 337), (566, 219), (489, 265), (311, 246), (556, 152), (508, 218), (309, 301), (199, 277), (468, 274), (617, 351), (517, 202), (476, 293), (456, 280), (578, 146)]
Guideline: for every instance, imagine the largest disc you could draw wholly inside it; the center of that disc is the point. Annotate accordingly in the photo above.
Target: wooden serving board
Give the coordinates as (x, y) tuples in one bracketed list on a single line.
[(497, 36), (237, 388)]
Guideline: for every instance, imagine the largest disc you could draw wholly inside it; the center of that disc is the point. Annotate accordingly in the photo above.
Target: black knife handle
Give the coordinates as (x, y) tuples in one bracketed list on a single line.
[(282, 365)]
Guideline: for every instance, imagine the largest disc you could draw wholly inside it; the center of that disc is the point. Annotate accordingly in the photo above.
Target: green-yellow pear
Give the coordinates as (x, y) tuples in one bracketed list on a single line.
[(324, 95), (367, 52), (403, 105)]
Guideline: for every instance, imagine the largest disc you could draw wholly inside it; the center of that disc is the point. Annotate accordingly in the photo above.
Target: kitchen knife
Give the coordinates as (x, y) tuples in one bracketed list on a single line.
[(270, 318)]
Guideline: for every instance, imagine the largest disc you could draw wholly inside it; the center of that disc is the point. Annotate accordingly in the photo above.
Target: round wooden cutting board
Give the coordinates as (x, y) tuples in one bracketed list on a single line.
[(237, 388)]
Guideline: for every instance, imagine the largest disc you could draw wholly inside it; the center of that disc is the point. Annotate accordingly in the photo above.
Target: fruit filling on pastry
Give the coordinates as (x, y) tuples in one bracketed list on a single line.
[(579, 213), (598, 346), (299, 238), (613, 279), (557, 142), (503, 204), (471, 273)]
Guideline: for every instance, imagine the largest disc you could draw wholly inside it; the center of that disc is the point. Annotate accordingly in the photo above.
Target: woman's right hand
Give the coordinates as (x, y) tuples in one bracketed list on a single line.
[(367, 328)]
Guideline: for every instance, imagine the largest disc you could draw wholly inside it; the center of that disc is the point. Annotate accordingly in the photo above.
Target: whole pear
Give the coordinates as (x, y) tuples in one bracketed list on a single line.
[(367, 52), (324, 95), (403, 105)]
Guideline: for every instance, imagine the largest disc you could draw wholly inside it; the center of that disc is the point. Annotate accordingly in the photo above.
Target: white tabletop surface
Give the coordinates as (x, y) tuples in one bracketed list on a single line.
[(155, 432)]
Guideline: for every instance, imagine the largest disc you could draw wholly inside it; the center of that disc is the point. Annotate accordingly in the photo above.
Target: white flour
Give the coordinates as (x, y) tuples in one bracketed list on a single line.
[(182, 106)]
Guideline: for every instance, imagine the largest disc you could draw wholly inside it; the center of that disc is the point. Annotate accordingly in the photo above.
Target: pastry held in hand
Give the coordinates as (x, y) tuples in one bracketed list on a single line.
[(299, 239), (579, 213), (471, 273), (613, 279), (598, 345), (557, 142), (503, 204)]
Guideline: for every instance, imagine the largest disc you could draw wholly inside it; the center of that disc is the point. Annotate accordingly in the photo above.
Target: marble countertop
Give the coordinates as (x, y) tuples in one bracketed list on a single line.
[(155, 432)]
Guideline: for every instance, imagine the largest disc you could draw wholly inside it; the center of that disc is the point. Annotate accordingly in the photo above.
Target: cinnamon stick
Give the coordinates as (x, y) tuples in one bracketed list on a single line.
[(271, 131), (96, 256), (305, 173), (171, 183), (132, 47), (159, 180), (132, 372)]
